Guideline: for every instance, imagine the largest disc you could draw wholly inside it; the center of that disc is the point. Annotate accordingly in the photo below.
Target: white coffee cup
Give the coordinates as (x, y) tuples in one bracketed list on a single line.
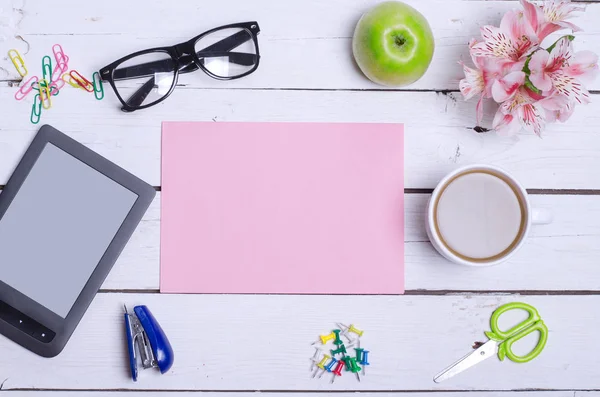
[(479, 215)]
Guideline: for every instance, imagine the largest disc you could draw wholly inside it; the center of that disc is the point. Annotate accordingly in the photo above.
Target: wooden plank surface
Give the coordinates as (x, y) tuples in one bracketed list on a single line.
[(560, 256), (260, 342), (439, 135), (303, 44), (20, 393), (234, 345)]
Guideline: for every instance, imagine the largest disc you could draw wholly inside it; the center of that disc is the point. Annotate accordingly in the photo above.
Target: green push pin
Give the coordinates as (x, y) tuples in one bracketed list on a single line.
[(352, 366), (337, 340), (359, 353), (340, 350)]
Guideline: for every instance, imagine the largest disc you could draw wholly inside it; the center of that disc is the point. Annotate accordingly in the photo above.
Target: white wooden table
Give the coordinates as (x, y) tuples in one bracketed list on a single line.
[(240, 344)]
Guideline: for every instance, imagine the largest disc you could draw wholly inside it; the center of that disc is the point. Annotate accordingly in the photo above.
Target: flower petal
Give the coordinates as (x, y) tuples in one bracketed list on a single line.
[(506, 124), (496, 44), (560, 55), (519, 29), (584, 66), (533, 14), (569, 25), (472, 84), (539, 60), (507, 86), (479, 110), (554, 102), (532, 117), (570, 87)]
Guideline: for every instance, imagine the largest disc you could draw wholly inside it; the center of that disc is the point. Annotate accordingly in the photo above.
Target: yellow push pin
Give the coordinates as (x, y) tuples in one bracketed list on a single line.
[(352, 329), (326, 338), (321, 365)]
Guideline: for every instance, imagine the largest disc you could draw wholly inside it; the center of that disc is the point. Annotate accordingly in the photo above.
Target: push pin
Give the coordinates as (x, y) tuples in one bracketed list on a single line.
[(365, 360), (352, 366), (337, 340), (325, 338), (359, 354), (321, 365), (353, 329), (314, 358), (340, 350), (338, 370), (330, 364), (345, 331)]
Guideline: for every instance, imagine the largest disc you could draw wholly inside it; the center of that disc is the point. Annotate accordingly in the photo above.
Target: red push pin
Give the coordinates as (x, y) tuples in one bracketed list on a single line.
[(338, 370)]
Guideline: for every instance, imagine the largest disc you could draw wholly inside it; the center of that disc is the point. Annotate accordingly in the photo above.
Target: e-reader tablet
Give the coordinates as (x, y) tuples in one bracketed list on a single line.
[(66, 214)]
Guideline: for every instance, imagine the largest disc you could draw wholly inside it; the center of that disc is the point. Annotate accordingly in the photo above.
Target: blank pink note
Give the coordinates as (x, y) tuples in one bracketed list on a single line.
[(295, 208)]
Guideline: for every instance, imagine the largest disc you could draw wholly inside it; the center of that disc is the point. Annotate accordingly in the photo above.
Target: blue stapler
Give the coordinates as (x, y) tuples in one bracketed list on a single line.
[(146, 338)]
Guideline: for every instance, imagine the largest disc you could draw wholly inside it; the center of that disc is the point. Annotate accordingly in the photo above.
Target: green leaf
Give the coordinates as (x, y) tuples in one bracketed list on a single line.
[(568, 36), (530, 85)]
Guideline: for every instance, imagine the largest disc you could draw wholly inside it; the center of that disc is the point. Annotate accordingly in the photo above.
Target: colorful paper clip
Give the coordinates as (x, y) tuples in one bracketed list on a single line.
[(66, 77), (18, 61), (54, 90), (58, 71), (44, 93), (26, 88), (82, 81), (60, 56), (36, 110), (98, 87), (47, 68)]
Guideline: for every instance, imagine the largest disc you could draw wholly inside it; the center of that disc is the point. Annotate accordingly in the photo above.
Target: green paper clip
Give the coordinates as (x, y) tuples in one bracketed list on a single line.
[(98, 87), (36, 111), (47, 68)]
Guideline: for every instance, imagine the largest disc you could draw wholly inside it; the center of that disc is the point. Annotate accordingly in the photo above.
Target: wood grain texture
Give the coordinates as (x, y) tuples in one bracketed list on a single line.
[(304, 44), (560, 256), (251, 343), (438, 138), (35, 393), (261, 343)]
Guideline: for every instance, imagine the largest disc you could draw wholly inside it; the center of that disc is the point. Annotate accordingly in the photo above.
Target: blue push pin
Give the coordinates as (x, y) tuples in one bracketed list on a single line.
[(365, 359), (329, 366)]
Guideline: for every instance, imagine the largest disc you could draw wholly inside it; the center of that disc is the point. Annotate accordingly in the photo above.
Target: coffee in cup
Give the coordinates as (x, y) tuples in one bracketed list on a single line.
[(479, 215)]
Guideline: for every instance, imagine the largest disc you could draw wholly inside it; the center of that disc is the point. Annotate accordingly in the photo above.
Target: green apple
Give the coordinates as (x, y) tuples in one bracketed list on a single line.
[(393, 44)]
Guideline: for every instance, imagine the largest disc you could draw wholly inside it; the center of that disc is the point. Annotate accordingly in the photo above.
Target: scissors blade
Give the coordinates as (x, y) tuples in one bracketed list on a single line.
[(487, 350)]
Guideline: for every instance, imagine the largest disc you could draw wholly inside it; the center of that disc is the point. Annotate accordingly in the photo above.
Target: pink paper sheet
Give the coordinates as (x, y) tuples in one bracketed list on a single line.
[(282, 208)]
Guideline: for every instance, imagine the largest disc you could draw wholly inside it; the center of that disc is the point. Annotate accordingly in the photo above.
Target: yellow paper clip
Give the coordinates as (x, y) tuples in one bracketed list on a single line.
[(45, 95), (18, 61), (66, 77)]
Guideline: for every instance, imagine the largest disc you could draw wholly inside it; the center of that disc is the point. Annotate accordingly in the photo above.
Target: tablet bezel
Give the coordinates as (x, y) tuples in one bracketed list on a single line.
[(64, 327)]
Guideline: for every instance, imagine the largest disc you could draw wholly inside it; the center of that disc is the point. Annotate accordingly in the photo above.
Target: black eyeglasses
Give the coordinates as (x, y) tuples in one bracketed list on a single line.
[(158, 69)]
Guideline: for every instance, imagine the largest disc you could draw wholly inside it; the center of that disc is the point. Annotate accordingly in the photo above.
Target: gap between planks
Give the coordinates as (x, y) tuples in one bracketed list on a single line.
[(433, 392), (410, 292), (556, 192)]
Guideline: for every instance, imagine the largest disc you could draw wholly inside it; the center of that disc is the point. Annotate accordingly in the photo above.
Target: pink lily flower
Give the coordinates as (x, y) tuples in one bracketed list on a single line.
[(509, 43), (521, 111), (557, 108), (561, 70), (551, 16)]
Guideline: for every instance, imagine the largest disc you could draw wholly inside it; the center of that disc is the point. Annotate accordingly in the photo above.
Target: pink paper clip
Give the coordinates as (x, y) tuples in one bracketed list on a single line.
[(60, 56), (61, 67), (26, 88), (82, 81)]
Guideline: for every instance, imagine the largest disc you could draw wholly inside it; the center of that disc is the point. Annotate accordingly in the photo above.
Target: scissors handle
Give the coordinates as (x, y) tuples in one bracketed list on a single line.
[(519, 331)]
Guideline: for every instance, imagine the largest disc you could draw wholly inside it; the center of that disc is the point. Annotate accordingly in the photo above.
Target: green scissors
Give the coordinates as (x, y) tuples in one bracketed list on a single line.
[(501, 341)]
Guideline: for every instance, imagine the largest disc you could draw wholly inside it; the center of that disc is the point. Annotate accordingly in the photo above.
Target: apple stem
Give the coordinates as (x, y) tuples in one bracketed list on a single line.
[(399, 40)]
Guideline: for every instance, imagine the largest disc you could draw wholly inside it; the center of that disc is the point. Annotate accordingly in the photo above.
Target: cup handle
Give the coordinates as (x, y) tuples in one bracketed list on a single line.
[(541, 216)]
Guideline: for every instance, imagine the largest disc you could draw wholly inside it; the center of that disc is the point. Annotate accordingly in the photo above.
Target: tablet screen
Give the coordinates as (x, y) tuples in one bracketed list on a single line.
[(58, 227)]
